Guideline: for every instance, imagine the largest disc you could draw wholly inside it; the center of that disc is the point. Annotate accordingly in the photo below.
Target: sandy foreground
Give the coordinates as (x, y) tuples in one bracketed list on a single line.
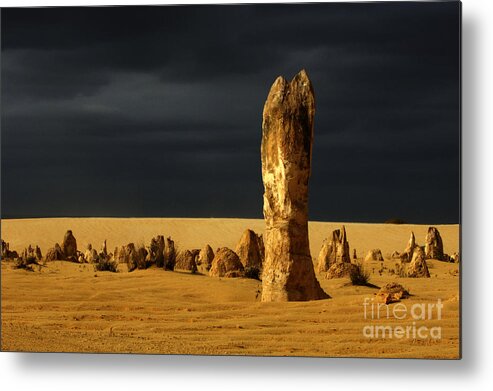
[(67, 307)]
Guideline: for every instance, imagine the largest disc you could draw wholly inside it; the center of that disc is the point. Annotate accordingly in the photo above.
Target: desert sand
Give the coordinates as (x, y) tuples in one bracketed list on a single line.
[(69, 307)]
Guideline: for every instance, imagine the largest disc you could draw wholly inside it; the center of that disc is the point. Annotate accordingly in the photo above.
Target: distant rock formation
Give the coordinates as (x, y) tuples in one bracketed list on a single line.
[(186, 261), (248, 250), (118, 259), (26, 260), (455, 258), (391, 293), (55, 254), (335, 250), (156, 251), (169, 254), (129, 255), (119, 255), (374, 255), (434, 245), (69, 247), (395, 255), (417, 267), (7, 253), (91, 255), (287, 133), (407, 255), (5, 249), (38, 254), (104, 251), (205, 258), (195, 253), (226, 264), (142, 258), (28, 254), (132, 257)]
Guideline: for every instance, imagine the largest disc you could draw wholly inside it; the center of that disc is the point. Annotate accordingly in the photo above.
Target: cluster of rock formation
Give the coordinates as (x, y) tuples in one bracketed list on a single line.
[(7, 253), (414, 255), (129, 257), (287, 136), (161, 253), (26, 259), (374, 255), (433, 248), (248, 256), (334, 258), (32, 253), (334, 250)]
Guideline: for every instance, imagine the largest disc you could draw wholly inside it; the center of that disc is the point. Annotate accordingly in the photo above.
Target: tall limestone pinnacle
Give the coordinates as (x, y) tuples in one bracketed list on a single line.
[(287, 135)]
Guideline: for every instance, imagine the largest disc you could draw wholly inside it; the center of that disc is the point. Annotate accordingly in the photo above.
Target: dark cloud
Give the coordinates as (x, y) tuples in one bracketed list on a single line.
[(156, 111)]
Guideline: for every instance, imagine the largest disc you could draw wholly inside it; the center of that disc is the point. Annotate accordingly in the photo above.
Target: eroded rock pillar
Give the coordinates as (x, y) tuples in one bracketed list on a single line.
[(287, 135)]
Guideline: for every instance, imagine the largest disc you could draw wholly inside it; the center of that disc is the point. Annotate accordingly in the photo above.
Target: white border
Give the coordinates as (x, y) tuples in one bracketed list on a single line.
[(110, 372)]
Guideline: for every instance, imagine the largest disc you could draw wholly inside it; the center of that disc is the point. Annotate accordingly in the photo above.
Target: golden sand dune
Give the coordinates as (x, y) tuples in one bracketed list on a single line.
[(68, 307)]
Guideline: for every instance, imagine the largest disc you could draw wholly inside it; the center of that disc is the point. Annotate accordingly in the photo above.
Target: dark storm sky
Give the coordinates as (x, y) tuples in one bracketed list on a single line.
[(156, 111)]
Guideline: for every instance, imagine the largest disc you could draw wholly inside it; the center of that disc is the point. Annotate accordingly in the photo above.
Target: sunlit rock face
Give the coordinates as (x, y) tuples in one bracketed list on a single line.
[(249, 250), (434, 245), (287, 135), (418, 266), (335, 250)]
